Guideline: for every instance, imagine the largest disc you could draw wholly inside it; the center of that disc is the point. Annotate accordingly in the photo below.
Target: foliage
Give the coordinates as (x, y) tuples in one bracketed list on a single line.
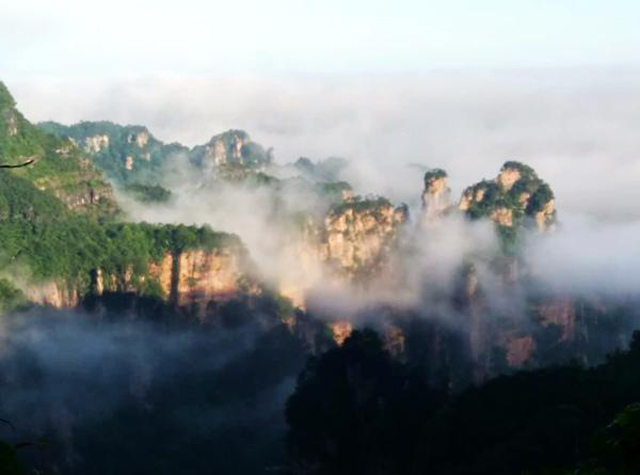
[(347, 416), (59, 167), (333, 191), (527, 196), (148, 160), (493, 196), (252, 155), (328, 170), (148, 193), (10, 296), (9, 464), (361, 204), (71, 248), (334, 187), (353, 408), (20, 199), (434, 174), (524, 169)]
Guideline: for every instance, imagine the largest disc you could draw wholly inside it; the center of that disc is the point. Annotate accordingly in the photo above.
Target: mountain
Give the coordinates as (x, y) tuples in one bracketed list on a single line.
[(132, 155), (126, 154), (63, 241), (200, 332), (325, 237), (60, 169)]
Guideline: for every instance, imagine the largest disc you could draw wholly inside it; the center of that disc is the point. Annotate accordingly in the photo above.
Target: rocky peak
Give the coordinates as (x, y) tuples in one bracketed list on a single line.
[(96, 143), (360, 232), (436, 199), (508, 176), (226, 148), (516, 196)]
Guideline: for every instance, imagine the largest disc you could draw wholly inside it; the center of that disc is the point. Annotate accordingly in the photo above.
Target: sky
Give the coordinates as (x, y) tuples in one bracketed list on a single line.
[(123, 37), (464, 85)]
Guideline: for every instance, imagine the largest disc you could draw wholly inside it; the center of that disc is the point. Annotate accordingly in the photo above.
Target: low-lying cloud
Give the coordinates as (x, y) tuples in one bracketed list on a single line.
[(575, 127)]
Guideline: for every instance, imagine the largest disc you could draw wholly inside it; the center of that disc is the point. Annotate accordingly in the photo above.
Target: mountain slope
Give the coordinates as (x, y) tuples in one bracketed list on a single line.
[(59, 168)]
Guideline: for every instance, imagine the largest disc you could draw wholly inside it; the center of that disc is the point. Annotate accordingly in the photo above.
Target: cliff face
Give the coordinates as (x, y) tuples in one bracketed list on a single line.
[(349, 244), (193, 278), (200, 277), (436, 197), (126, 154), (224, 149), (358, 235), (230, 153), (52, 294)]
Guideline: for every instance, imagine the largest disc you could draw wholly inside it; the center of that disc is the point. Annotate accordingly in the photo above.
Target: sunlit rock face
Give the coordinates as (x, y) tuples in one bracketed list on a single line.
[(52, 294), (436, 197), (507, 177), (96, 143), (359, 234), (193, 279), (350, 244), (231, 149), (341, 331)]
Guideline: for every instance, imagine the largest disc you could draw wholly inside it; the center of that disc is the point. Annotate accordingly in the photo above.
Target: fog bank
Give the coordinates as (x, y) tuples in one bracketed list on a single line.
[(575, 127)]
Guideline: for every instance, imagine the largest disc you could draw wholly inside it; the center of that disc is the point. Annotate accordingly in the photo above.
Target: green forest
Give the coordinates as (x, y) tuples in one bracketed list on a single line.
[(356, 409)]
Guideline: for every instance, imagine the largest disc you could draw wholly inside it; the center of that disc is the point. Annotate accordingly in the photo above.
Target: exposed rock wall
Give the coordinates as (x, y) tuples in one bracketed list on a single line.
[(52, 294), (516, 196), (191, 278), (359, 239), (96, 143), (203, 277), (436, 197)]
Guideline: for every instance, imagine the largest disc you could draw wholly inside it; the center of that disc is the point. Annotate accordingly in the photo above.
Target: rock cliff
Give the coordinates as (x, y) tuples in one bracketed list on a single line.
[(358, 235), (193, 279), (517, 196), (436, 197)]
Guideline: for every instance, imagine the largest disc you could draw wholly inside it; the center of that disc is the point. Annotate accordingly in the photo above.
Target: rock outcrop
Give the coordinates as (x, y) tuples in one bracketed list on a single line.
[(358, 235), (436, 197), (233, 148), (193, 278), (516, 196), (140, 138), (52, 294), (96, 143), (126, 154)]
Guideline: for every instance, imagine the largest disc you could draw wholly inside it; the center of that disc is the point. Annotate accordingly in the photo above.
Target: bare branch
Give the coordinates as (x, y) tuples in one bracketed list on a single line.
[(19, 165)]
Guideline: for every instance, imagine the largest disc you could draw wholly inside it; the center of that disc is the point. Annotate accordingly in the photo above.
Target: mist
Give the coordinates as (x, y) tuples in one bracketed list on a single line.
[(186, 399), (587, 256), (574, 126)]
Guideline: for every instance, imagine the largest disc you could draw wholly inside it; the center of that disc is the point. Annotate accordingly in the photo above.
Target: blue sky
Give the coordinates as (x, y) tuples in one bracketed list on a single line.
[(124, 38)]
